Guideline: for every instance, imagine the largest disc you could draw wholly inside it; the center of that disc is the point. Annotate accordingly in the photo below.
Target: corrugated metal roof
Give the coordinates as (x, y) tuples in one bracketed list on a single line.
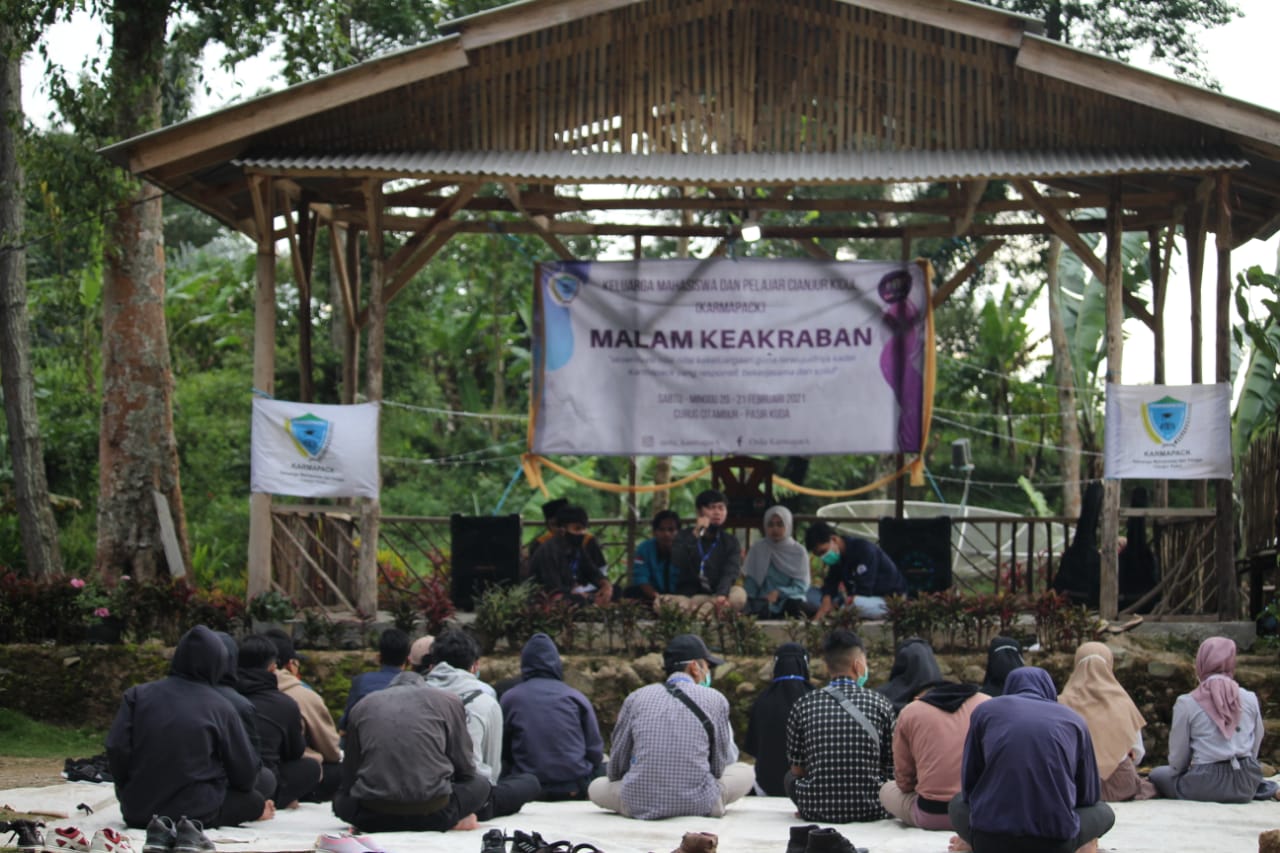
[(834, 168)]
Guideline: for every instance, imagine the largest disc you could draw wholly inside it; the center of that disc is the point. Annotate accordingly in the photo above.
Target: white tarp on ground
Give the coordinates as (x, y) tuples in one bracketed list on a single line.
[(753, 825)]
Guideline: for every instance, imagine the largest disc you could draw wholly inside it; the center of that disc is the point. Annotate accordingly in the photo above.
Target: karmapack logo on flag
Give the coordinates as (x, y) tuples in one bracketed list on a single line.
[(1166, 419), (310, 434), (1168, 432), (314, 451)]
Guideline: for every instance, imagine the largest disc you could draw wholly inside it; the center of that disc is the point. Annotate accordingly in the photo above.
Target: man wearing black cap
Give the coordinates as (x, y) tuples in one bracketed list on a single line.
[(570, 564), (673, 752)]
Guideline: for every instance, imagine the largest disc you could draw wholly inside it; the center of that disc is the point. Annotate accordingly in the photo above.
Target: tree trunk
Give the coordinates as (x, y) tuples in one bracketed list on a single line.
[(137, 451), (31, 489), (1064, 378)]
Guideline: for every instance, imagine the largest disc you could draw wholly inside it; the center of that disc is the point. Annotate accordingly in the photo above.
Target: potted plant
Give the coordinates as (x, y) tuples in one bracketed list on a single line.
[(272, 609)]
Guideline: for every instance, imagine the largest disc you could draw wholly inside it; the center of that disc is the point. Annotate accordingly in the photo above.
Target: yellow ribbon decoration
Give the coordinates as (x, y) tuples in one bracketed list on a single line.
[(533, 462)]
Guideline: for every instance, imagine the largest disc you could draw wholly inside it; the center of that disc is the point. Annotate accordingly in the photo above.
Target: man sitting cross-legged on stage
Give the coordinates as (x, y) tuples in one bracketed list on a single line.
[(570, 564), (708, 558)]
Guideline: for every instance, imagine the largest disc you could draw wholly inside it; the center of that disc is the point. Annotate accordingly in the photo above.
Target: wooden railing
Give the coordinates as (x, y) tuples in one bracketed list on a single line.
[(315, 552)]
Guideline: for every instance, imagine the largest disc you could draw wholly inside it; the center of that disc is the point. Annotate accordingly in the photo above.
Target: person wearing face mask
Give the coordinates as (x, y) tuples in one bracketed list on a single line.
[(673, 751), (708, 557), (840, 740), (570, 564), (865, 572)]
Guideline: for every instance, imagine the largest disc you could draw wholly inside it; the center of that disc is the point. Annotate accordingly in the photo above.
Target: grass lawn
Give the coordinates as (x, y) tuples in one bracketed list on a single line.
[(23, 737)]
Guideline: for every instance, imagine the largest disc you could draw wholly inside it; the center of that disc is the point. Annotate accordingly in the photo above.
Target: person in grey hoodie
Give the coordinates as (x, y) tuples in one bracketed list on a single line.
[(455, 659), (550, 728)]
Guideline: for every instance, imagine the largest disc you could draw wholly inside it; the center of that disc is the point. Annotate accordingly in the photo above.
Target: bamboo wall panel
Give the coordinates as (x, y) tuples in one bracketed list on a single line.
[(708, 76)]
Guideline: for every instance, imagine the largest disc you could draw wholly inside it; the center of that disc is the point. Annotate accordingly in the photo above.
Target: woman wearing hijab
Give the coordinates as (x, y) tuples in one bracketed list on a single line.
[(1215, 736), (1004, 655), (914, 669), (777, 569), (766, 730), (1115, 723)]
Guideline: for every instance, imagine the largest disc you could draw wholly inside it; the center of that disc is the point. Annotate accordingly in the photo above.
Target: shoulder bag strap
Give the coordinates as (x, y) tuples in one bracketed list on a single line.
[(835, 693), (702, 716)]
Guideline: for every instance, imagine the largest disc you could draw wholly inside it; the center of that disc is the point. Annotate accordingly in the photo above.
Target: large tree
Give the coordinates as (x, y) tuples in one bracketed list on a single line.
[(31, 489)]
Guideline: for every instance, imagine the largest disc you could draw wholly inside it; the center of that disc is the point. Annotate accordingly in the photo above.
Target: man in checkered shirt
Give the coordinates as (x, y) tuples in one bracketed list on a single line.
[(667, 759), (840, 740)]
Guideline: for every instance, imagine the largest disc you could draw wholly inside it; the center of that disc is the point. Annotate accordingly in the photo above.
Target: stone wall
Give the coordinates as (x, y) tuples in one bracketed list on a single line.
[(82, 686)]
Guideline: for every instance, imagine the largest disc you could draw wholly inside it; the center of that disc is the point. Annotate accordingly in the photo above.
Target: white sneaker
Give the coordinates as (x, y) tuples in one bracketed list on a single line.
[(108, 840), (66, 839), (331, 842)]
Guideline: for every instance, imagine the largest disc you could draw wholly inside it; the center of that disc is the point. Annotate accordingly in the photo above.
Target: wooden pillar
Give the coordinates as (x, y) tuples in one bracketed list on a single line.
[(264, 369), (1193, 227), (1109, 593), (1158, 263), (351, 329), (1224, 551), (371, 508)]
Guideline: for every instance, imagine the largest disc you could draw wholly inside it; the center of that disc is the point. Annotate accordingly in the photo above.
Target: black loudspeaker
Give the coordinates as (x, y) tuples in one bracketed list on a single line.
[(921, 549), (486, 551)]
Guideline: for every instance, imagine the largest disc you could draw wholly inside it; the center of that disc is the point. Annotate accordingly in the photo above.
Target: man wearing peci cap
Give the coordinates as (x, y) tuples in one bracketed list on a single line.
[(673, 752)]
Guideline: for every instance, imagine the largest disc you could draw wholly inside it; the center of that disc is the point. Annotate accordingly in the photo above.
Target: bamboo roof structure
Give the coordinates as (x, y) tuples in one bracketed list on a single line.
[(727, 94)]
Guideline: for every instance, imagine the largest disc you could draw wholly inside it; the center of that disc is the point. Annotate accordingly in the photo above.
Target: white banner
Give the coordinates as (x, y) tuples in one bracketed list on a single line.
[(765, 357), (1168, 432), (313, 450)]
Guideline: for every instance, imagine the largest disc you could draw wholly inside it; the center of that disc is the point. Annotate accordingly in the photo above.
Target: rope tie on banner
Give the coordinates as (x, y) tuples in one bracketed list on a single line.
[(533, 462)]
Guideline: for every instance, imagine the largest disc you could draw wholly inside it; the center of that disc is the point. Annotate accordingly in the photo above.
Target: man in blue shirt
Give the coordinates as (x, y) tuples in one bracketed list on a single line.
[(866, 572), (393, 651), (653, 573)]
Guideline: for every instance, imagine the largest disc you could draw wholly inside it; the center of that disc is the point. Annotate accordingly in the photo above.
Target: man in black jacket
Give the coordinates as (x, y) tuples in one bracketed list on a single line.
[(178, 748), (279, 722)]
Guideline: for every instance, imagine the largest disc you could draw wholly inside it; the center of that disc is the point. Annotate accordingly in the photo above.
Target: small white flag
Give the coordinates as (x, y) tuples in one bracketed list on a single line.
[(313, 450), (1168, 432)]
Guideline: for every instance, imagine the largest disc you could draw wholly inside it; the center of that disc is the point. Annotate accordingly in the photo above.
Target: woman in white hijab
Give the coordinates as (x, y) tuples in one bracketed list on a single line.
[(777, 570)]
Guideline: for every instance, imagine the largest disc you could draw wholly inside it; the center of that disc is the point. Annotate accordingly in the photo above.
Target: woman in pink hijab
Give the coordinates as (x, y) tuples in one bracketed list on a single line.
[(1215, 736)]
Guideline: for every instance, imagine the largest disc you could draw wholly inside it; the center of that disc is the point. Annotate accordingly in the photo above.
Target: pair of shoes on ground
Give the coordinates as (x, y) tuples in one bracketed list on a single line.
[(494, 841), (72, 839), (185, 836), (24, 834), (812, 838), (346, 842)]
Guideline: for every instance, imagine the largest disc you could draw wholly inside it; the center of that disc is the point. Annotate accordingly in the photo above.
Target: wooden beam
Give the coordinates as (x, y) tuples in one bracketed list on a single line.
[(967, 18), (519, 19), (1115, 78), (371, 508), (967, 271), (236, 125), (306, 393), (427, 228), (540, 223), (1224, 529), (344, 279), (815, 250), (264, 371), (1067, 232), (972, 195)]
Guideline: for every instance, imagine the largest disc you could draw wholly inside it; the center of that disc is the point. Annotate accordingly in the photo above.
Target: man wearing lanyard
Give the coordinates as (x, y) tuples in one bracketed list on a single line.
[(708, 558), (570, 564)]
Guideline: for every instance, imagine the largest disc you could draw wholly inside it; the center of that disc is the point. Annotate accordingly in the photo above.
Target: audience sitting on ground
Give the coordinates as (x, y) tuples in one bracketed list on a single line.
[(708, 558), (673, 751), (393, 651), (653, 574), (177, 747), (1004, 655), (1029, 781), (408, 763), (776, 570), (456, 660), (914, 669), (859, 574), (928, 745), (317, 723), (228, 687), (420, 655), (767, 725), (840, 740), (1215, 736), (570, 564), (550, 729), (283, 744), (1115, 724)]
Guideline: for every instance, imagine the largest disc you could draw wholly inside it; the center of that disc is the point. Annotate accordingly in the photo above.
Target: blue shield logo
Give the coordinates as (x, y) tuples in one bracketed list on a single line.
[(1165, 419), (310, 434)]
